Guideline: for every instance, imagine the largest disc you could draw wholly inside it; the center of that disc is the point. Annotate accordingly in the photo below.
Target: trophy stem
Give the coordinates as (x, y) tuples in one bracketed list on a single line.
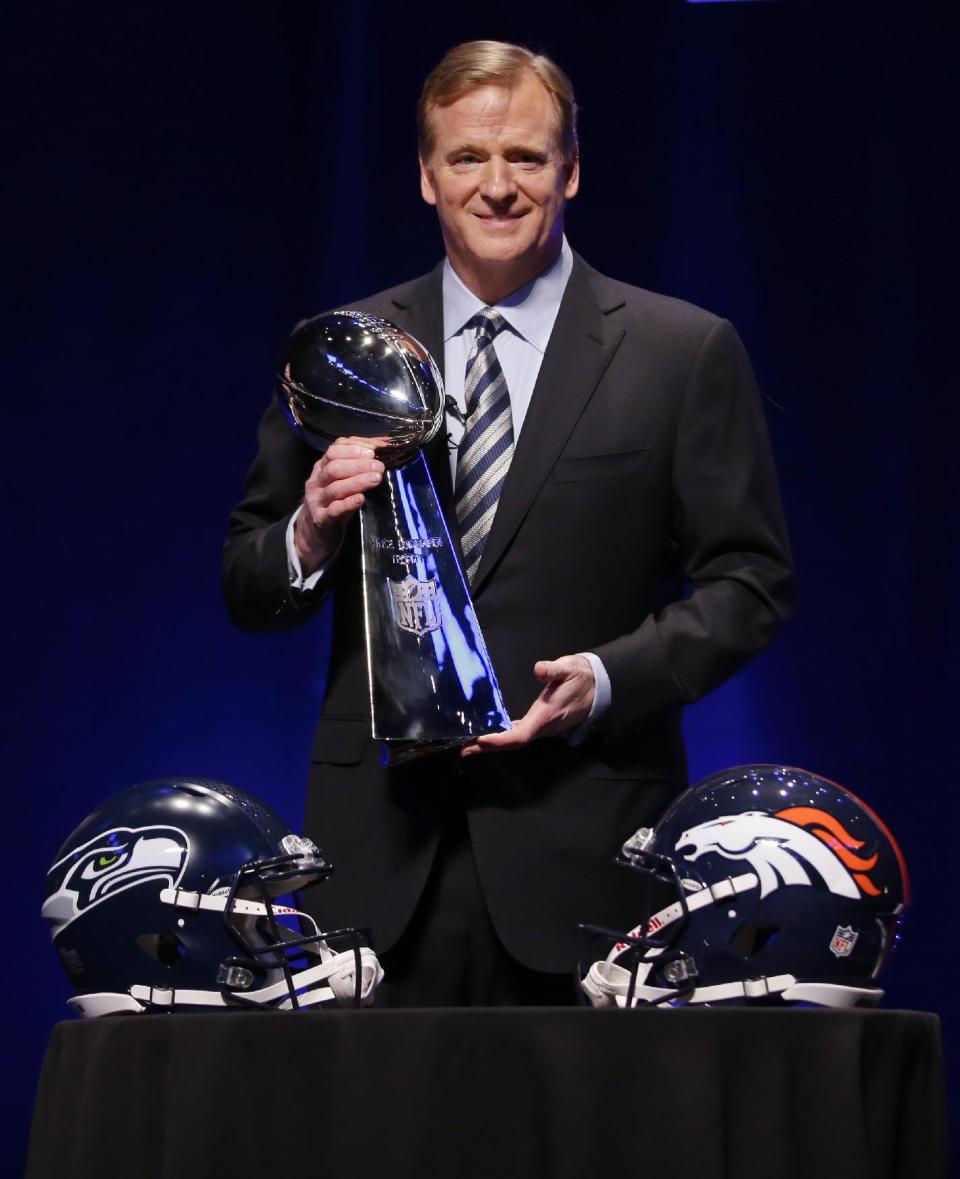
[(431, 679)]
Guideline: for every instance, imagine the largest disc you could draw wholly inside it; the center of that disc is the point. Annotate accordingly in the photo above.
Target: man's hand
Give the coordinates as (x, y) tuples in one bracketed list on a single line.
[(564, 703), (332, 494)]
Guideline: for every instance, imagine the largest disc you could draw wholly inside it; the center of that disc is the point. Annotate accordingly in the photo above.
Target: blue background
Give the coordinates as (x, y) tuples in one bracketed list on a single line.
[(192, 178)]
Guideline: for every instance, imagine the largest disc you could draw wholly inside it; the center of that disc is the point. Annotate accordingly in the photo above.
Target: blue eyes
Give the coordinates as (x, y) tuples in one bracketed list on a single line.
[(519, 162)]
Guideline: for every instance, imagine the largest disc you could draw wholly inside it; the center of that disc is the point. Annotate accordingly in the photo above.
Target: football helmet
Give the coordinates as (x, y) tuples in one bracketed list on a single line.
[(164, 898), (774, 885)]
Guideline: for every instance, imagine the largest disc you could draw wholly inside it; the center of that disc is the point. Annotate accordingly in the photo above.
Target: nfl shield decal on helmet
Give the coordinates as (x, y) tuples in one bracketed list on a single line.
[(416, 605), (843, 941)]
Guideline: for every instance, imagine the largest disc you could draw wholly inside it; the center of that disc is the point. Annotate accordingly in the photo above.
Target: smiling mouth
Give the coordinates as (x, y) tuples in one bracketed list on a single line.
[(499, 218)]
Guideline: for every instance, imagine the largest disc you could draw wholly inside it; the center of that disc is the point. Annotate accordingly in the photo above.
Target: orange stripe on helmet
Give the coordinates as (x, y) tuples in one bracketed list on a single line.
[(804, 816), (829, 830), (854, 863)]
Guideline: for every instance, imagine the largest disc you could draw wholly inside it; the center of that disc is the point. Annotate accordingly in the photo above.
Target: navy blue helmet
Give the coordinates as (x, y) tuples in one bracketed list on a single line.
[(164, 898), (764, 884)]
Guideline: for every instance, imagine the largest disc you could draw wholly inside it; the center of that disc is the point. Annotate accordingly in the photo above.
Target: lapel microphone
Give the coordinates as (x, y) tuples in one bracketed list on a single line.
[(454, 410)]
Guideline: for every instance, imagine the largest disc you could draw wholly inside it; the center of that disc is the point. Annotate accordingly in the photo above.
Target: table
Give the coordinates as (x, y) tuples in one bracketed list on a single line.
[(494, 1092)]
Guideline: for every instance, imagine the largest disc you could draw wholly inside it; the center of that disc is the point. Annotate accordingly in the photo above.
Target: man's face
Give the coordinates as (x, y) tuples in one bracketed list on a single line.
[(498, 180)]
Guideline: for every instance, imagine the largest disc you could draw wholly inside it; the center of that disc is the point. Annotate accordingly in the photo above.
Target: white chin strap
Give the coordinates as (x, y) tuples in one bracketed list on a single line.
[(335, 978), (607, 984)]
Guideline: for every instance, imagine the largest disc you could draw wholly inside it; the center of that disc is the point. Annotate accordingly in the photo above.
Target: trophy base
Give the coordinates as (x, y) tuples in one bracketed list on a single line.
[(395, 753)]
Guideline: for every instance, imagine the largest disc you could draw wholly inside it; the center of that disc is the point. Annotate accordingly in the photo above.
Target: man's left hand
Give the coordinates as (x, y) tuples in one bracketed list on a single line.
[(563, 705)]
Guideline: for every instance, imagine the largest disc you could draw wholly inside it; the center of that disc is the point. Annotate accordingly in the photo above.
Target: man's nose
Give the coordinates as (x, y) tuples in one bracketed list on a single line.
[(497, 182)]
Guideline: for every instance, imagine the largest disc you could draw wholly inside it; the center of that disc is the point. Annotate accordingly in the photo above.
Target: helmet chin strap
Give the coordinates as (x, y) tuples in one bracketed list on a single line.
[(338, 970), (335, 980), (182, 898), (722, 890), (608, 984)]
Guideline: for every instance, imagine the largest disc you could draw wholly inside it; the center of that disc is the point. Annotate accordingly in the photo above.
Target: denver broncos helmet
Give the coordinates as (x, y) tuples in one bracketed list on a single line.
[(774, 885), (164, 899)]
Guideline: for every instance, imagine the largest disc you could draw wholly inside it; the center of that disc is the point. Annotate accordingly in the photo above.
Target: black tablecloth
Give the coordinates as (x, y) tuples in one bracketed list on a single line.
[(699, 1094)]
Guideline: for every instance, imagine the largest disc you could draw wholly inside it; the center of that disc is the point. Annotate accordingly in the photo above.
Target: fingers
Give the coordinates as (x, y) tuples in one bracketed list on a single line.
[(562, 706), (345, 459), (331, 470), (342, 508), (337, 495), (354, 448), (334, 491), (553, 671), (563, 668), (340, 477), (521, 733)]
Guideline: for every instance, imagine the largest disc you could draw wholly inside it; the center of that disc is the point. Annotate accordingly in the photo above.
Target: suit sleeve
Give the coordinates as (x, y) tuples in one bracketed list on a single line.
[(733, 546), (256, 582)]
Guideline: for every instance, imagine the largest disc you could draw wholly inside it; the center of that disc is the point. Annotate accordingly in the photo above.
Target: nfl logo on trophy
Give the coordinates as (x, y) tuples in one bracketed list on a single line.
[(416, 606)]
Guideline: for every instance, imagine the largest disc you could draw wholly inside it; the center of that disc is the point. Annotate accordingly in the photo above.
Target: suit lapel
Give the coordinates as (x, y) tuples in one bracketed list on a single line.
[(418, 306), (582, 344)]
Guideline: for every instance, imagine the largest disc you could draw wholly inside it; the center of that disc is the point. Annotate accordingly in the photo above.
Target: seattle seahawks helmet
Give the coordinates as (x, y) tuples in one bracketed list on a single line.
[(164, 898), (774, 885)]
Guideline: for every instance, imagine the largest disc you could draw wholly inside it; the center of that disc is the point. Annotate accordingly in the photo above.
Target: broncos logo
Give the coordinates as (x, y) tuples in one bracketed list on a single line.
[(786, 847), (108, 864)]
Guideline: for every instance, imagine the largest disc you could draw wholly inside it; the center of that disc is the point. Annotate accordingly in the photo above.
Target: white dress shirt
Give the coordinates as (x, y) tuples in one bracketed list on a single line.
[(529, 312)]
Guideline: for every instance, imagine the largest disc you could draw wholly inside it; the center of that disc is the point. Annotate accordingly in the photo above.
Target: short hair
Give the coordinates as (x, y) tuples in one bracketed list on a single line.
[(474, 64)]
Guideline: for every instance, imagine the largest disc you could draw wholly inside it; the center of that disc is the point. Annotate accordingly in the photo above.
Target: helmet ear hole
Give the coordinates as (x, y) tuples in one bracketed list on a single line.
[(165, 948), (751, 939)]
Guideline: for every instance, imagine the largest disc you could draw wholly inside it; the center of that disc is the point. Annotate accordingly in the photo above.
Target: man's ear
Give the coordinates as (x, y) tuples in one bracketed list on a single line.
[(426, 183), (572, 186)]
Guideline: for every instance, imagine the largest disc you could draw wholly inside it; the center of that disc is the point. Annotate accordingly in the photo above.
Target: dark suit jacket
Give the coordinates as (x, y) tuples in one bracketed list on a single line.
[(640, 520)]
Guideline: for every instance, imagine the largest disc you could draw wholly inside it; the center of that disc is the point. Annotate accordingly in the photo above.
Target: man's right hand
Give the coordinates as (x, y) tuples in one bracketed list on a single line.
[(333, 493)]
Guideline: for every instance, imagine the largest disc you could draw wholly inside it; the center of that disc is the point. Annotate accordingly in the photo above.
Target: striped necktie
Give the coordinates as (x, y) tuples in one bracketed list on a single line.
[(487, 444)]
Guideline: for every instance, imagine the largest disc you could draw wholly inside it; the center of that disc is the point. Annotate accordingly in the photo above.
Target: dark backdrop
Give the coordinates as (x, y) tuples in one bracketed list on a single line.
[(193, 177)]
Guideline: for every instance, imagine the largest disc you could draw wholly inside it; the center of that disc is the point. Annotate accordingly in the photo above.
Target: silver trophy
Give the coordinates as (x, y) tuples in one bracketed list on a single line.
[(432, 685)]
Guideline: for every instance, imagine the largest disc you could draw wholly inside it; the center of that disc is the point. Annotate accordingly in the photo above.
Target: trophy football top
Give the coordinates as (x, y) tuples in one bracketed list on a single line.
[(348, 373)]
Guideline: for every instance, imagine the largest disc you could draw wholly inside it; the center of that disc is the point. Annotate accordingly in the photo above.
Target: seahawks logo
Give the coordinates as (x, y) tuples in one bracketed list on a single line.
[(109, 864)]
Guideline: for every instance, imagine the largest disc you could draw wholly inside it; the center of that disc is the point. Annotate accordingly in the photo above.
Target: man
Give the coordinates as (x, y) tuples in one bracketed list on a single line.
[(611, 448)]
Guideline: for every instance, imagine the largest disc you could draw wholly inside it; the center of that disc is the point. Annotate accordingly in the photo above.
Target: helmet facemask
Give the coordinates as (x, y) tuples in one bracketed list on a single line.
[(282, 943), (645, 967)]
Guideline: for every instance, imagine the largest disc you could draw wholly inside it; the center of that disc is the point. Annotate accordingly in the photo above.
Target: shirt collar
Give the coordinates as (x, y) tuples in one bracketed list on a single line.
[(530, 311)]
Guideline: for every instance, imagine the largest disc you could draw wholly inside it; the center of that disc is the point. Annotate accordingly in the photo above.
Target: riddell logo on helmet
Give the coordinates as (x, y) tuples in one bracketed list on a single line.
[(111, 863), (784, 848)]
